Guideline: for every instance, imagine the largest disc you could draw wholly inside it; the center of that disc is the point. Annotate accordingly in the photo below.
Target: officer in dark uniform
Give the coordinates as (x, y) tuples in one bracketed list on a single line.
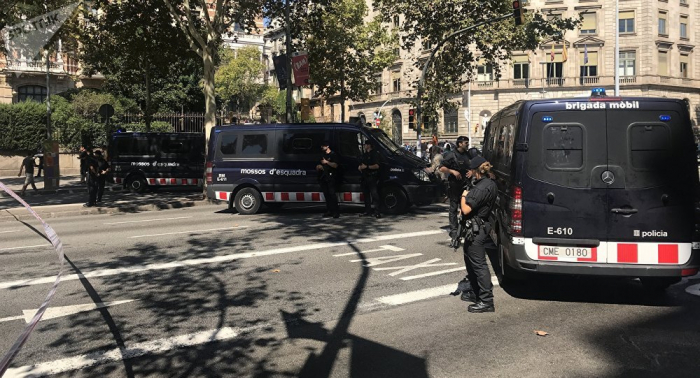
[(370, 180), (476, 204), (456, 164), (92, 177), (328, 170), (102, 172)]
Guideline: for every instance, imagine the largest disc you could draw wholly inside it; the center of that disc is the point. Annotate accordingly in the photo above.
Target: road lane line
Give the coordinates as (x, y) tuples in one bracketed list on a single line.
[(58, 312), (7, 231), (2, 320), (432, 274), (419, 295), (188, 232), (133, 351), (382, 248), (210, 260), (25, 247), (147, 220)]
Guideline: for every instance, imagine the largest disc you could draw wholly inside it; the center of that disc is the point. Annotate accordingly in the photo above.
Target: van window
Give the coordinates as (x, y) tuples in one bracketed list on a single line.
[(255, 144), (563, 147), (133, 147), (350, 144), (228, 143), (650, 147), (175, 146), (302, 142)]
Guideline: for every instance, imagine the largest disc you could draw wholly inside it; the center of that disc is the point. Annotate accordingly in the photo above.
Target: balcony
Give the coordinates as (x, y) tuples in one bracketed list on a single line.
[(555, 81), (485, 83), (588, 80), (39, 66), (521, 83)]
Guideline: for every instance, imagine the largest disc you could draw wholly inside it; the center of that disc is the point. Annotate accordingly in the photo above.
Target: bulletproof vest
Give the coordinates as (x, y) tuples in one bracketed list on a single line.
[(488, 189), (458, 161)]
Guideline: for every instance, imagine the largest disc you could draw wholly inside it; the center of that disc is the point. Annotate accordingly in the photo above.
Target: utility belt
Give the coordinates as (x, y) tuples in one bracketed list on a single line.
[(467, 230)]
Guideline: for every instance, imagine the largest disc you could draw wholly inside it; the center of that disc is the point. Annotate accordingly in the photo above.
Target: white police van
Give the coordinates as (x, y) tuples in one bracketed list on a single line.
[(595, 186)]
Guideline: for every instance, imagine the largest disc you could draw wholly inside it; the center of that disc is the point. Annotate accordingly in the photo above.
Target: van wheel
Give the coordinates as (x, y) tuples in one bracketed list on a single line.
[(394, 200), (247, 201), (658, 284), (136, 184)]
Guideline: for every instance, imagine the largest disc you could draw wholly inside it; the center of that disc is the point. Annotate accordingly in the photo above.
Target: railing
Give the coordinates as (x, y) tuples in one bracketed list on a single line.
[(628, 79), (589, 80), (485, 83), (30, 65), (555, 81), (521, 83), (181, 122)]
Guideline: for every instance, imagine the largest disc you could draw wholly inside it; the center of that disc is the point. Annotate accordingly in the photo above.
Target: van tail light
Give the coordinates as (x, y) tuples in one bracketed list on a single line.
[(516, 211), (209, 174), (689, 272)]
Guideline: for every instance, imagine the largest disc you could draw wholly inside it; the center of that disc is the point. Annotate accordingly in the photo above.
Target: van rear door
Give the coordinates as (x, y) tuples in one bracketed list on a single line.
[(652, 172), (564, 209)]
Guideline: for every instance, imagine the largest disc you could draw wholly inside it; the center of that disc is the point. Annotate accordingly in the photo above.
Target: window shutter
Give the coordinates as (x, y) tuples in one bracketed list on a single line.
[(626, 15), (588, 21), (663, 63), (520, 59)]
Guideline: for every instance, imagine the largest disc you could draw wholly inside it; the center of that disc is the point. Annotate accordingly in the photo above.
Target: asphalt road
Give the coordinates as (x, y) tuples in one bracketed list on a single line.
[(202, 292)]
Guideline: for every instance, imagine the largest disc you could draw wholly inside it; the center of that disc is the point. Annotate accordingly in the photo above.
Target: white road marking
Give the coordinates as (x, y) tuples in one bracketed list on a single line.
[(408, 268), (693, 290), (188, 232), (382, 248), (25, 247), (211, 260), (147, 220), (133, 351), (7, 231), (419, 295), (387, 259), (11, 318), (432, 274), (57, 312)]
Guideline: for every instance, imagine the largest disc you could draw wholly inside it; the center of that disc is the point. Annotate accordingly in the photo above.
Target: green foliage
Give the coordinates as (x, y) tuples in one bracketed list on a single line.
[(457, 60), (239, 77), (346, 52), (22, 126), (156, 127), (276, 101)]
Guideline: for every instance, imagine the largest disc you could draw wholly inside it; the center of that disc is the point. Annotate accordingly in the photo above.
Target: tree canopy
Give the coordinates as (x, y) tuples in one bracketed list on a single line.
[(428, 22), (239, 77)]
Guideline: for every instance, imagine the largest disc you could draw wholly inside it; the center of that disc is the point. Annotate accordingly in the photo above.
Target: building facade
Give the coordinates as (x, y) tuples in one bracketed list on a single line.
[(657, 59)]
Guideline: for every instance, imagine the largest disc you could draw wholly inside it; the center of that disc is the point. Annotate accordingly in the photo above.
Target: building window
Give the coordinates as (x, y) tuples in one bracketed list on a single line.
[(627, 63), (484, 72), (521, 67), (589, 64), (663, 63), (589, 23), (626, 24), (397, 85), (553, 16), (450, 119), (32, 93), (662, 23), (378, 85), (397, 53), (684, 27), (396, 21), (685, 66), (554, 66)]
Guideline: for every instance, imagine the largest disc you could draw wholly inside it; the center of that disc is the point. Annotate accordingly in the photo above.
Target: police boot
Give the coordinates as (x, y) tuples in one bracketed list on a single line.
[(480, 307)]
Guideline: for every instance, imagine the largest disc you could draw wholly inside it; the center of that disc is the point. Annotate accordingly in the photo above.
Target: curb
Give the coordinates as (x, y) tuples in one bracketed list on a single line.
[(78, 209), (41, 192)]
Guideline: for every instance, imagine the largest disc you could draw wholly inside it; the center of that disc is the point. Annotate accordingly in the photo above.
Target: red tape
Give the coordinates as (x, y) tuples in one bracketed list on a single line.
[(58, 246)]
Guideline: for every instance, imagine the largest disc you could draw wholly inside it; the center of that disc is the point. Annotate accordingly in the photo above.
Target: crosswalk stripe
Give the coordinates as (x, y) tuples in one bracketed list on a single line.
[(419, 295)]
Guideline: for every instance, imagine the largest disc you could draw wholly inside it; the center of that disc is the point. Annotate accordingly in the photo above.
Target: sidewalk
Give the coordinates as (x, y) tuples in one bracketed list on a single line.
[(68, 200)]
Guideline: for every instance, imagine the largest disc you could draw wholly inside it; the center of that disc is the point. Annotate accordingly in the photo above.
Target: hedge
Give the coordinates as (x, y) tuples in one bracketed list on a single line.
[(22, 126)]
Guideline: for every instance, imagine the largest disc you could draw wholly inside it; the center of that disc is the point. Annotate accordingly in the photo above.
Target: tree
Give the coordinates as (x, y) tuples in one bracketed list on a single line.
[(203, 29), (346, 52), (275, 100), (431, 21), (239, 77), (140, 52)]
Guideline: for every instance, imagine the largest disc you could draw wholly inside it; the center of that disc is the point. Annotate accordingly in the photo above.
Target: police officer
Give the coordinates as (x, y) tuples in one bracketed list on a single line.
[(92, 177), (456, 164), (103, 169), (370, 180), (328, 171), (476, 204)]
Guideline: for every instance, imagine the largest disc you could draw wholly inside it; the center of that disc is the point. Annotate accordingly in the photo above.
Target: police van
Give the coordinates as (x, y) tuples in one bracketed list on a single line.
[(252, 165), (595, 186), (142, 161)]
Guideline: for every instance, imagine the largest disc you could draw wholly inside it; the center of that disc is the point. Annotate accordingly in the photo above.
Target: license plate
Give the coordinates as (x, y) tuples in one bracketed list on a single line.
[(548, 252)]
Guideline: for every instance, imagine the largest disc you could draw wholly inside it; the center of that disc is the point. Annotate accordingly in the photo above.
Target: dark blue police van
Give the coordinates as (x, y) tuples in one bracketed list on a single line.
[(595, 186), (252, 165), (142, 161)]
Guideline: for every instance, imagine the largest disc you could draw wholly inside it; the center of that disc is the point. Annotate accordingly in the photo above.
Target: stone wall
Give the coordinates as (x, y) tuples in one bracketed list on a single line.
[(10, 164)]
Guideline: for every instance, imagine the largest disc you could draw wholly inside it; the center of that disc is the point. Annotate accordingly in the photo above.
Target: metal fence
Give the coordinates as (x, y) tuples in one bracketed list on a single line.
[(181, 122)]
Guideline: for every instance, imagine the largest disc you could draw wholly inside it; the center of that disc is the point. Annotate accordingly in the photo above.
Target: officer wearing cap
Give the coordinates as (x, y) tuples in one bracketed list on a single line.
[(328, 176), (455, 164), (369, 166), (476, 204)]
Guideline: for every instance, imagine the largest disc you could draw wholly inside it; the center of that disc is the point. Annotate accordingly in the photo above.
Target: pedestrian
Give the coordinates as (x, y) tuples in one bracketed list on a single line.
[(456, 165), (103, 169), (40, 155), (28, 167), (476, 204), (83, 163), (92, 177), (328, 170), (370, 180)]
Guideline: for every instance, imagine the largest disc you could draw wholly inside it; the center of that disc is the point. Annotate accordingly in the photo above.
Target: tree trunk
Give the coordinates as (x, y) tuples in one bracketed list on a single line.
[(148, 114), (209, 93), (342, 98)]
